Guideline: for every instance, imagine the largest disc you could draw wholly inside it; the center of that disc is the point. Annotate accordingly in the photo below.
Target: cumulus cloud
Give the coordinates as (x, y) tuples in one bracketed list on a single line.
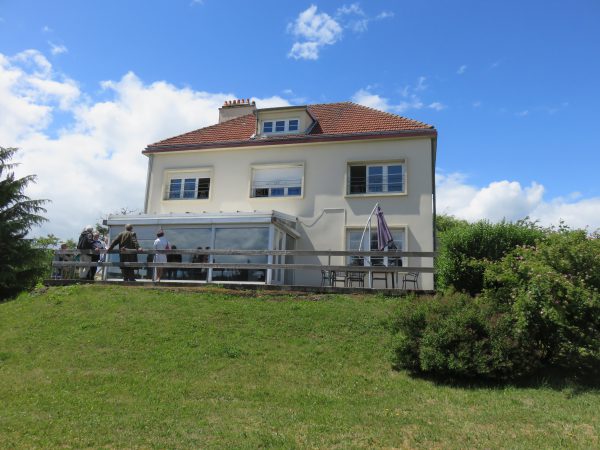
[(462, 69), (511, 201), (314, 30), (93, 165), (366, 98)]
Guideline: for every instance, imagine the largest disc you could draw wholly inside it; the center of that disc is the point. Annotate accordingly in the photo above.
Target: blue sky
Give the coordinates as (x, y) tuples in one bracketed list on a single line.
[(512, 88)]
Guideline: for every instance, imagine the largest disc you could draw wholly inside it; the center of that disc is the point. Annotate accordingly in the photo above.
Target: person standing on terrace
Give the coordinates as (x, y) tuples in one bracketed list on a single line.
[(160, 243), (126, 240)]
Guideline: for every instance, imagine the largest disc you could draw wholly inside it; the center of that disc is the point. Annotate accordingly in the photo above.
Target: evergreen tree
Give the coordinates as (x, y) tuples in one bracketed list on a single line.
[(21, 262)]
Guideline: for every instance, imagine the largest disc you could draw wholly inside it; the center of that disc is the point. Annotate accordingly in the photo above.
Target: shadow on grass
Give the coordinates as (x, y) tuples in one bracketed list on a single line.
[(559, 380)]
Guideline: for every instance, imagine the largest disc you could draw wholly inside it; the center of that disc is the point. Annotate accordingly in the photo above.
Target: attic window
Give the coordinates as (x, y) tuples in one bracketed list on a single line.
[(280, 126)]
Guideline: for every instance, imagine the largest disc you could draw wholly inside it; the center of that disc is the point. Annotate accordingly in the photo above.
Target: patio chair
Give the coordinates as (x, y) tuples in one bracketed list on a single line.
[(338, 277), (355, 277), (327, 277), (381, 276), (410, 277)]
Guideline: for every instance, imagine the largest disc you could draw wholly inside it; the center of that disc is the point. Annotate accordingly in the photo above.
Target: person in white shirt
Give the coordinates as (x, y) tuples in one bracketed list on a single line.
[(160, 243)]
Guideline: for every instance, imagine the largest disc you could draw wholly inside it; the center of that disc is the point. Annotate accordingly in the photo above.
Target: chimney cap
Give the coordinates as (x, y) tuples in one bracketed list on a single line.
[(238, 101)]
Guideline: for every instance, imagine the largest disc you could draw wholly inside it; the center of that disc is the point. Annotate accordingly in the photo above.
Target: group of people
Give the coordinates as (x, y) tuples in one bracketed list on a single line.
[(94, 249), (127, 241), (89, 240)]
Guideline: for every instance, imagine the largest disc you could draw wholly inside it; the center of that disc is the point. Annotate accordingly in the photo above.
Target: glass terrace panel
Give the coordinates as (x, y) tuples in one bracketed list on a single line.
[(241, 238)]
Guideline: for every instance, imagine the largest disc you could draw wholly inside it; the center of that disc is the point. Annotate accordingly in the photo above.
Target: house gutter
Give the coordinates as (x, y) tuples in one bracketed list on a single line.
[(304, 139)]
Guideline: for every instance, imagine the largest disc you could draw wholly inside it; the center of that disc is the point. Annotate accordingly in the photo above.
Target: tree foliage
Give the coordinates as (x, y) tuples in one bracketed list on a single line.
[(21, 261), (466, 248), (539, 310)]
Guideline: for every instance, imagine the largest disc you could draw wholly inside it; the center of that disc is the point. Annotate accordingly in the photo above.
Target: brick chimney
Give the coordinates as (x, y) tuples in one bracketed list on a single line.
[(235, 108)]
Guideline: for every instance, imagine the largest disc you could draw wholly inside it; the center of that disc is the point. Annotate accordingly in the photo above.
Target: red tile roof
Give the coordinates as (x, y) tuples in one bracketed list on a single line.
[(333, 121)]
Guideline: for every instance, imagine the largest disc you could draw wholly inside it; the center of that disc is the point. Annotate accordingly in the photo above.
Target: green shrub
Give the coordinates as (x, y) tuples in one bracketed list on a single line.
[(540, 309), (467, 249), (552, 291), (455, 335)]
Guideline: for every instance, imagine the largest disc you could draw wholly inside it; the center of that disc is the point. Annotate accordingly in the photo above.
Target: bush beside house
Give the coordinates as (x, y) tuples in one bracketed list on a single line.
[(537, 305)]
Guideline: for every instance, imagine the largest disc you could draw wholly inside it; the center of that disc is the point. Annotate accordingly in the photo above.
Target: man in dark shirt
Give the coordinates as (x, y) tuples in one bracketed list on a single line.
[(126, 240)]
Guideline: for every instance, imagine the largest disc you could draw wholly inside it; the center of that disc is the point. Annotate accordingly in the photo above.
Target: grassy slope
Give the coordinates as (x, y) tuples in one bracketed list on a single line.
[(91, 366)]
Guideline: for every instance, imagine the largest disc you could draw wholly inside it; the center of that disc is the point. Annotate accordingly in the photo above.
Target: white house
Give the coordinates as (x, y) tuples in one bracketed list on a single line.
[(297, 177)]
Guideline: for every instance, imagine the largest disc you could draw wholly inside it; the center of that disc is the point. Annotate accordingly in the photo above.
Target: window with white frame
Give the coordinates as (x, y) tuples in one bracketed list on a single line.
[(277, 180), (280, 126), (188, 185), (374, 178), (353, 237)]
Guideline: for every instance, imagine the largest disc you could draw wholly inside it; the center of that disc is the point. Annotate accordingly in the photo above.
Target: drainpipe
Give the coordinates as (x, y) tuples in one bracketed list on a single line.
[(433, 156), (148, 177)]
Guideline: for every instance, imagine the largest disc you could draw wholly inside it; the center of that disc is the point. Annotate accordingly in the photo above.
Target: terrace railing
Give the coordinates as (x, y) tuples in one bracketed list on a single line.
[(64, 264)]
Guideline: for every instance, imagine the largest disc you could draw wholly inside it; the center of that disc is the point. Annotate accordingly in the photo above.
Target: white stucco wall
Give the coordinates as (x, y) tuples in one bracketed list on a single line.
[(325, 211)]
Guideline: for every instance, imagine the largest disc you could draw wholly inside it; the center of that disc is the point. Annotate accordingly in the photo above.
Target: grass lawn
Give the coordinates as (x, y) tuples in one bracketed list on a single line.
[(134, 367)]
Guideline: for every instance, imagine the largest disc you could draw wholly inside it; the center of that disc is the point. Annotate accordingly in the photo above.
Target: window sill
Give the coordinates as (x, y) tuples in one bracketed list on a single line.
[(377, 194), (185, 199), (283, 197)]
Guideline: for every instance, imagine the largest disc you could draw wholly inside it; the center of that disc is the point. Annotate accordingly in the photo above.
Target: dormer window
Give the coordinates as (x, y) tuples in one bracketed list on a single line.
[(280, 126)]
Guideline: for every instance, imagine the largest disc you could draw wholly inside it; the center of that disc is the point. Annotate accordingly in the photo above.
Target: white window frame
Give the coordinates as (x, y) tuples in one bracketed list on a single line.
[(273, 123), (285, 195), (183, 174), (392, 228), (385, 165)]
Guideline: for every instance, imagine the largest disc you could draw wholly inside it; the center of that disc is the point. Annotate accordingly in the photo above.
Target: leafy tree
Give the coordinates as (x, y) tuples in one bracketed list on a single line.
[(467, 248), (444, 223), (21, 261)]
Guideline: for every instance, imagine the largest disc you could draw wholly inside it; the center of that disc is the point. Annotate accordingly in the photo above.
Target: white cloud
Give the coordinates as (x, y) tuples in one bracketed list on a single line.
[(510, 200), (437, 106), (477, 104), (57, 49), (354, 18), (354, 8), (93, 165), (384, 15), (316, 27), (523, 113), (305, 50), (366, 98), (315, 30), (47, 29), (410, 99), (462, 69)]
